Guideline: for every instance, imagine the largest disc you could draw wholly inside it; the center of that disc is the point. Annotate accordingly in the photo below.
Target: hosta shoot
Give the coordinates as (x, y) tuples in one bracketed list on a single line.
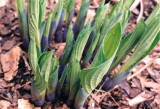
[(93, 48)]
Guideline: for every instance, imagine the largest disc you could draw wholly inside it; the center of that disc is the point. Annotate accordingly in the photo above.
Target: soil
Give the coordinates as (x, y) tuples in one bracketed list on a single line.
[(140, 91)]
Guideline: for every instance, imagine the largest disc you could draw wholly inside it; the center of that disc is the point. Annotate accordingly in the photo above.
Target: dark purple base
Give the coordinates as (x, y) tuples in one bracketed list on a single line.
[(39, 102), (51, 97), (70, 103), (44, 43), (25, 43)]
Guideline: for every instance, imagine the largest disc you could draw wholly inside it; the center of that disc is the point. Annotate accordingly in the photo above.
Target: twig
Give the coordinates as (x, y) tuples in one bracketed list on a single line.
[(142, 69), (141, 11), (135, 4), (26, 84), (114, 101), (5, 98)]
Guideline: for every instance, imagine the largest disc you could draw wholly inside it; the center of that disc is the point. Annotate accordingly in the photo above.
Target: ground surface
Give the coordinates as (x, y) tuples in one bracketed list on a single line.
[(141, 90)]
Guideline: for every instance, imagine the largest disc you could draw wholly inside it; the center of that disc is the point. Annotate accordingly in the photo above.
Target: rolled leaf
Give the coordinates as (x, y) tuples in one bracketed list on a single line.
[(82, 14), (53, 80), (62, 80), (38, 84), (69, 44), (53, 28), (33, 19), (74, 69), (42, 11), (34, 53), (155, 12), (55, 19), (44, 40), (44, 62), (37, 95), (20, 5), (100, 16), (81, 96), (43, 25), (80, 43), (69, 10), (106, 27)]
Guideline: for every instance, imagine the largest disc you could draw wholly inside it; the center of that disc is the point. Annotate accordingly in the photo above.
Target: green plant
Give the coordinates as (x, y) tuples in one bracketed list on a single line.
[(102, 39)]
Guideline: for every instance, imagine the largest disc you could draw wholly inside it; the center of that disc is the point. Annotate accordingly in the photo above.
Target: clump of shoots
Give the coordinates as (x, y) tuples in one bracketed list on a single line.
[(100, 42)]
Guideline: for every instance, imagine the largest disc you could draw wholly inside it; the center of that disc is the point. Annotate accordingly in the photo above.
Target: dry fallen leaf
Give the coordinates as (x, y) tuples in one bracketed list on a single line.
[(3, 83), (154, 74), (4, 104), (157, 100), (8, 44), (154, 87), (25, 104), (10, 61)]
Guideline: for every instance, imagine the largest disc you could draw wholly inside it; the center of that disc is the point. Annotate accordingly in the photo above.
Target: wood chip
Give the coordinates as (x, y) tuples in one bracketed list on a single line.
[(140, 98), (10, 61)]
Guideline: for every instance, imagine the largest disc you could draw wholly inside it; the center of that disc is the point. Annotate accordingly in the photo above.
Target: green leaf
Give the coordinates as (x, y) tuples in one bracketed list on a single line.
[(55, 19), (33, 54), (70, 35), (66, 54), (91, 77), (99, 17), (120, 6), (20, 5), (81, 96), (82, 13), (80, 43), (39, 81), (129, 43), (42, 11), (53, 77), (45, 64), (69, 7), (124, 41), (119, 13), (33, 19), (91, 49), (144, 45), (68, 49), (124, 19), (37, 93), (48, 24), (74, 69), (41, 30), (57, 12), (63, 77), (155, 12)]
